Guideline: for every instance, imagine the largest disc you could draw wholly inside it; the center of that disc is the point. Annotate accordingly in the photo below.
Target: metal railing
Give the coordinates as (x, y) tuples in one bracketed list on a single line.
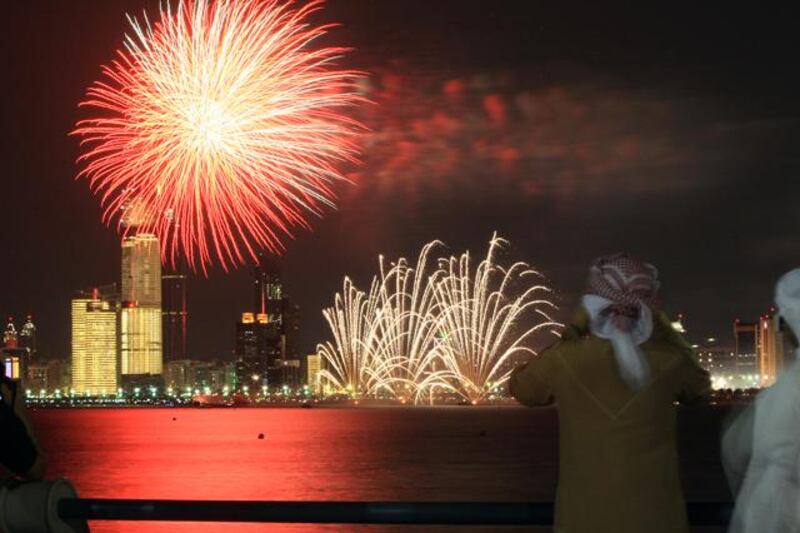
[(421, 513), (55, 506)]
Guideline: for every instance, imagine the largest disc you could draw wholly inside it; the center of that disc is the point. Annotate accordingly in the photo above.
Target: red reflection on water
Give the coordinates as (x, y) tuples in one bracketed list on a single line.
[(306, 454)]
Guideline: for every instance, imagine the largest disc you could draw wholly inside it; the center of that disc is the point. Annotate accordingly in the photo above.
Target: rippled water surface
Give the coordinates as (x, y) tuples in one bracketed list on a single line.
[(411, 454)]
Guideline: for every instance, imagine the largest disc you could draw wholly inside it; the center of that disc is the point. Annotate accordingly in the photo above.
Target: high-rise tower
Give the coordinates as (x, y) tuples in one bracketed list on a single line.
[(140, 313), (10, 334), (268, 298), (771, 349), (27, 337), (745, 336), (174, 313), (265, 338), (95, 362)]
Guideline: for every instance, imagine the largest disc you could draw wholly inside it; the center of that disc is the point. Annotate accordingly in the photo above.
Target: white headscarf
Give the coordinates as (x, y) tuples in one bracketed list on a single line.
[(787, 298), (633, 367), (621, 293), (761, 445)]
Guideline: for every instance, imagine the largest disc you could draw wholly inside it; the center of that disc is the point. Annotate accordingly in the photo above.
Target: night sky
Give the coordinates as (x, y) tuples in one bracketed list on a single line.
[(572, 130)]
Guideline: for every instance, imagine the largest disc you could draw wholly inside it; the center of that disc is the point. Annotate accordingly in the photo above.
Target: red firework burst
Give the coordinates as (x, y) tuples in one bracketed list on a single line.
[(219, 128)]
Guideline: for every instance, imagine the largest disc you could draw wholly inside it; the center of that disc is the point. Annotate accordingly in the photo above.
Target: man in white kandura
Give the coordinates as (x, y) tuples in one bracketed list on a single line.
[(761, 447)]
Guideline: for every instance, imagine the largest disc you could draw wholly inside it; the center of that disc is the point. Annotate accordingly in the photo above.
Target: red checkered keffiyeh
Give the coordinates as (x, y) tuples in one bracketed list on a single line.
[(628, 283)]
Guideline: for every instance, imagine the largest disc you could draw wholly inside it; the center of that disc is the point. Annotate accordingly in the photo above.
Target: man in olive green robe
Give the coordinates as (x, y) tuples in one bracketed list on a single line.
[(618, 456)]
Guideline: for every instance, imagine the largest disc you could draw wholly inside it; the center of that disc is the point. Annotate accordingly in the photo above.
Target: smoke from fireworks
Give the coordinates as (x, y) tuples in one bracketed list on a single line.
[(435, 329), (222, 125)]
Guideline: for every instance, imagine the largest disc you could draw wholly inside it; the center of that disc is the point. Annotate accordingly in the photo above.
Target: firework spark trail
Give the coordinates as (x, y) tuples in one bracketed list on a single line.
[(447, 328), (350, 363), (481, 315), (406, 325), (381, 337), (223, 115)]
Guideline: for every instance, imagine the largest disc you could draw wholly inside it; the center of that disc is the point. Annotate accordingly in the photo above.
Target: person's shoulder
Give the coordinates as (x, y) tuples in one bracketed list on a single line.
[(6, 392), (7, 384), (578, 327), (665, 335), (574, 344), (576, 339), (666, 347)]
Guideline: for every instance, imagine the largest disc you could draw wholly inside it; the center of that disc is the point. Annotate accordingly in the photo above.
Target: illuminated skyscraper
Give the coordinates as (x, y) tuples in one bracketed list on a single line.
[(268, 291), (140, 314), (27, 337), (10, 334), (15, 358), (259, 346), (745, 336), (770, 349), (95, 361), (174, 314), (12, 364), (313, 368), (273, 331)]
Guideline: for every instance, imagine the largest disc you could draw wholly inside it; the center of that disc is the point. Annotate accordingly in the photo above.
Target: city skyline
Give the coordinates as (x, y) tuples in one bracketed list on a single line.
[(178, 322), (429, 263), (590, 157)]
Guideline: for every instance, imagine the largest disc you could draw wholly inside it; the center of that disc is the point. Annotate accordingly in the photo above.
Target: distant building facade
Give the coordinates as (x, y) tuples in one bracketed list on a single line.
[(719, 361), (59, 375), (18, 350), (36, 377), (259, 346), (190, 375), (265, 350), (174, 313), (140, 312), (772, 345), (10, 334), (95, 359), (745, 336), (313, 369), (27, 336), (13, 363)]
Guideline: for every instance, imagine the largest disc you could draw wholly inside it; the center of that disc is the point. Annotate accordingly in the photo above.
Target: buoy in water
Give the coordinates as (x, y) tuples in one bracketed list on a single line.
[(261, 436)]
